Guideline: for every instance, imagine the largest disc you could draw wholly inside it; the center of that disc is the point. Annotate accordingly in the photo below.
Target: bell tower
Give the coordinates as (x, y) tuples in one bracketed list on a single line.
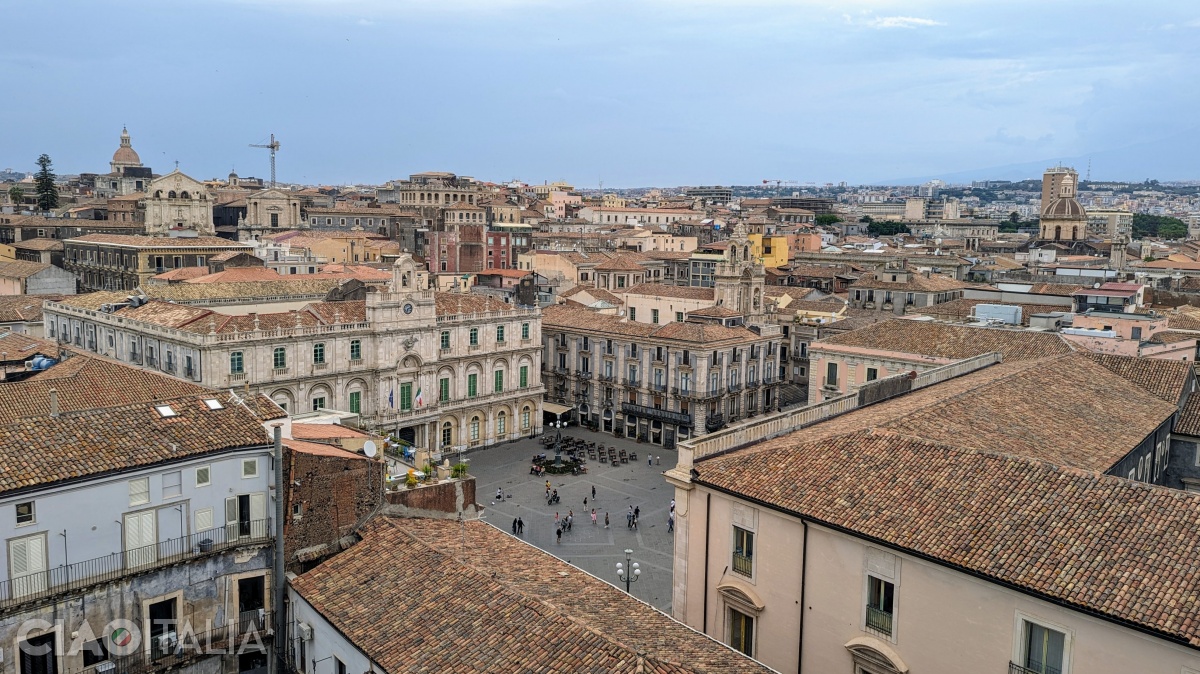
[(740, 280)]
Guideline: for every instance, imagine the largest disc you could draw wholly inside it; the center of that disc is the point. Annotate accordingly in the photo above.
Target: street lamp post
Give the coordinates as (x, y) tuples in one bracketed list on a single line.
[(628, 572), (558, 425)]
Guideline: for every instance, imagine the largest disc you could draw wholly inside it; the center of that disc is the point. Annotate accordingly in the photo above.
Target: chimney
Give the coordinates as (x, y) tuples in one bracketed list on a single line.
[(54, 403)]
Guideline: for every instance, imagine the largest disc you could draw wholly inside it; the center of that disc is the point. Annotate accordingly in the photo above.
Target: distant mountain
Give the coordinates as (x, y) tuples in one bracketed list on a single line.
[(1171, 158)]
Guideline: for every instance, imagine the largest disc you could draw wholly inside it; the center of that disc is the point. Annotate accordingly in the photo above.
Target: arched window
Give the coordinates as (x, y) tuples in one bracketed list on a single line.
[(171, 194), (447, 434), (184, 195), (501, 424), (525, 414), (473, 428)]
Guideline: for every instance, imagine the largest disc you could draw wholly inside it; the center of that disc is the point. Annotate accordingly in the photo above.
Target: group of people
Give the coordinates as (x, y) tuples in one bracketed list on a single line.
[(565, 524)]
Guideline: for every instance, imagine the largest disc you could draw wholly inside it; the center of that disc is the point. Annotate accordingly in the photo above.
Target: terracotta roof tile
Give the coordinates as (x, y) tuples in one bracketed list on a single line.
[(16, 346), (23, 308), (20, 269), (504, 606), (917, 282), (38, 244), (944, 340), (162, 241), (1166, 379), (962, 309), (666, 290)]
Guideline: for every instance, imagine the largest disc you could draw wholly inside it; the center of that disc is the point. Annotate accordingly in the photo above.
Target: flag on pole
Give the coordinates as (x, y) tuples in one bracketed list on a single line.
[(392, 398), (420, 397)]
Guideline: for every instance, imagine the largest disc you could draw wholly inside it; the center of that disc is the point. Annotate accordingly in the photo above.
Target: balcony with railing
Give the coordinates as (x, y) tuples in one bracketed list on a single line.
[(168, 651), (879, 621), (607, 378), (669, 416), (1014, 668), (735, 386), (632, 382), (151, 361), (660, 386), (829, 384), (189, 372), (714, 422), (68, 578), (743, 564)]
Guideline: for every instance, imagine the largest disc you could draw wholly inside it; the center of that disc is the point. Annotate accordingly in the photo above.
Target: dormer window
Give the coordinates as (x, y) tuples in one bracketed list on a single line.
[(213, 404), (165, 411)]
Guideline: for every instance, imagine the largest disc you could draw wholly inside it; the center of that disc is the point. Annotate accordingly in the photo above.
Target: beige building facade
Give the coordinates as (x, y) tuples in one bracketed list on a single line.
[(176, 202), (443, 371)]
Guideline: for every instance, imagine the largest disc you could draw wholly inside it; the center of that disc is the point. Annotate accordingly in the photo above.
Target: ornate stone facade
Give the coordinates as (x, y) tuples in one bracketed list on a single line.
[(178, 202)]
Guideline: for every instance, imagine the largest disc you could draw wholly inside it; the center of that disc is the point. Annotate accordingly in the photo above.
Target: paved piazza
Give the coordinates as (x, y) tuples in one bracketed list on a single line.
[(593, 549)]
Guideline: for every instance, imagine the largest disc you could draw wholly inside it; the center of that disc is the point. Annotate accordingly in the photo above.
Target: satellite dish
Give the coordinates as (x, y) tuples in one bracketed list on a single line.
[(369, 449)]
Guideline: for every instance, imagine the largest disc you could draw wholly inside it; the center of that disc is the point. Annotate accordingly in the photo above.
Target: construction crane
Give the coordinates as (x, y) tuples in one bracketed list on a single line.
[(780, 183), (273, 146)]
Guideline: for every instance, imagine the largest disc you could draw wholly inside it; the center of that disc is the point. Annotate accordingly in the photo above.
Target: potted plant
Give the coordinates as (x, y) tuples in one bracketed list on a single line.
[(458, 470), (410, 480)]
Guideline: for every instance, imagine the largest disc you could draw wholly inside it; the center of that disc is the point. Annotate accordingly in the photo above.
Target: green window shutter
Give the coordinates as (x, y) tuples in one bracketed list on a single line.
[(524, 376), (406, 400)]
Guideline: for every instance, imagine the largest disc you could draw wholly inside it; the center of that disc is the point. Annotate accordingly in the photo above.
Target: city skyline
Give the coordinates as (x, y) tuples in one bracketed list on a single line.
[(657, 93)]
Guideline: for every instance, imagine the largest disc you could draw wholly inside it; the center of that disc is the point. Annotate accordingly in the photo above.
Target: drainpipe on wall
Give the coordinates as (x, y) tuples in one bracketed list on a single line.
[(278, 579)]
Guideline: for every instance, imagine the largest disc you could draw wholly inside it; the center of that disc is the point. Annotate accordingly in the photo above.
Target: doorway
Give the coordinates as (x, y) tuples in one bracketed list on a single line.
[(38, 656), (252, 594)]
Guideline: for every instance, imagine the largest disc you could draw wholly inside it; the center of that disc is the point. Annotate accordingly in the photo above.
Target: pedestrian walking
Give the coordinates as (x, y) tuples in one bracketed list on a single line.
[(558, 534), (672, 506), (514, 526), (635, 519), (556, 518), (585, 501), (605, 520), (637, 512), (593, 517), (593, 492), (499, 494), (570, 522), (671, 523), (520, 526), (650, 460), (629, 520)]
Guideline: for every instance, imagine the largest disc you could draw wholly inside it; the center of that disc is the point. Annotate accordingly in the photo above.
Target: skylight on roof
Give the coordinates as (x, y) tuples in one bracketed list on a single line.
[(213, 404), (165, 411)]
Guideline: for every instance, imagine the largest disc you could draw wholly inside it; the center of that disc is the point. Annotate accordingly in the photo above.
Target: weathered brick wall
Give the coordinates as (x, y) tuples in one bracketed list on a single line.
[(335, 493), (444, 500)]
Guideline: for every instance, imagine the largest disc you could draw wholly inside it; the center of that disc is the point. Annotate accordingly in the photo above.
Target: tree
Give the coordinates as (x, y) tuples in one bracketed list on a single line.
[(1014, 217), (47, 191), (1161, 226), (16, 195), (867, 219), (887, 228), (827, 219)]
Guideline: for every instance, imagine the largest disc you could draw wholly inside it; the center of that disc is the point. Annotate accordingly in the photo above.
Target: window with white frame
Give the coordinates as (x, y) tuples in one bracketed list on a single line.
[(139, 491), (204, 519), (172, 484), (249, 468), (1041, 647), (203, 476), (25, 513), (741, 632)]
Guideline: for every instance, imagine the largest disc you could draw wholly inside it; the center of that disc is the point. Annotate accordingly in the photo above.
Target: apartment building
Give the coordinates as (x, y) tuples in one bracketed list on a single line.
[(900, 290), (598, 215), (843, 363), (438, 370), (949, 527), (124, 262), (138, 505), (660, 383)]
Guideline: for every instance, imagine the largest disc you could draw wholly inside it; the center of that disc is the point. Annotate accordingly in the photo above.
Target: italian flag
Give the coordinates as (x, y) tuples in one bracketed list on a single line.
[(420, 397)]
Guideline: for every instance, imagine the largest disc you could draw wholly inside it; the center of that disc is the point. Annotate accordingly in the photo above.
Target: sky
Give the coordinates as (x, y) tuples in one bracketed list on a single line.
[(608, 92)]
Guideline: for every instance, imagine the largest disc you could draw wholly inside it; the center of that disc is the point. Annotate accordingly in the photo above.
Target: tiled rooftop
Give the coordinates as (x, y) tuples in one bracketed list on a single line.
[(45, 450), (962, 309), (1105, 545), (161, 241), (943, 340), (665, 290), (23, 308), (20, 269), (16, 346), (574, 320), (496, 604)]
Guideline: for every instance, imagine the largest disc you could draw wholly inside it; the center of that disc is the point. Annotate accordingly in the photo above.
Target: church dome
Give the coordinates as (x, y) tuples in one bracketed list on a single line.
[(125, 154), (1064, 208)]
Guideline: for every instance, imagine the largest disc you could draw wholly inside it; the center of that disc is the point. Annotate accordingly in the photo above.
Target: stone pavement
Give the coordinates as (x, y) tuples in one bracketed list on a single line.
[(594, 549)]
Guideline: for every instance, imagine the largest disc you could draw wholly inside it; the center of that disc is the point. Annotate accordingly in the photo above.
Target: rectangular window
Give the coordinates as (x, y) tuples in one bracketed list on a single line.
[(472, 385), (339, 667), (280, 358), (474, 336), (524, 376), (139, 491), (25, 513), (319, 353), (831, 374), (356, 349), (499, 381), (743, 551), (204, 519), (678, 316), (872, 374), (445, 340), (249, 468), (356, 402), (203, 476), (318, 403), (1044, 649), (237, 363), (172, 484), (524, 331), (741, 632), (633, 313), (654, 316), (94, 652), (500, 334), (881, 596), (406, 396)]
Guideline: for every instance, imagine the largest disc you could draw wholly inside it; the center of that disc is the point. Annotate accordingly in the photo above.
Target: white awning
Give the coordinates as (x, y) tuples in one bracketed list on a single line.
[(554, 408)]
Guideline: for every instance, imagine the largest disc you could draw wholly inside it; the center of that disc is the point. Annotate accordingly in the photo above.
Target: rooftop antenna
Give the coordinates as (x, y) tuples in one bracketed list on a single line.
[(273, 146)]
